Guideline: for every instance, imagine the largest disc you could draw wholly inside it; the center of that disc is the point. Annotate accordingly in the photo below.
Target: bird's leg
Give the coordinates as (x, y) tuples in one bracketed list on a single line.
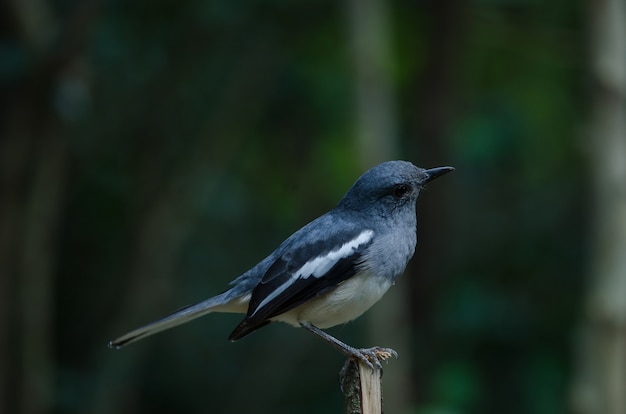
[(368, 356)]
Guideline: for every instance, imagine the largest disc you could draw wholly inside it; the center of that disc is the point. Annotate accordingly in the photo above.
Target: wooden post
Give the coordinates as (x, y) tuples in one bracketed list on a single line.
[(362, 386)]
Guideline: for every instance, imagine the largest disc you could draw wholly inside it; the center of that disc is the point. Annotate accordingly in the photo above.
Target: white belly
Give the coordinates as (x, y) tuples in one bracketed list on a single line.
[(346, 302)]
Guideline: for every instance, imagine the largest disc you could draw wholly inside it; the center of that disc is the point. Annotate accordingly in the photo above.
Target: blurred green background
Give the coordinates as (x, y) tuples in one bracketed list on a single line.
[(151, 151)]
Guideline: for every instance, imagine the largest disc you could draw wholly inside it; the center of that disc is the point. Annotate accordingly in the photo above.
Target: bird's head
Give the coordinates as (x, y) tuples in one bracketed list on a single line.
[(389, 186)]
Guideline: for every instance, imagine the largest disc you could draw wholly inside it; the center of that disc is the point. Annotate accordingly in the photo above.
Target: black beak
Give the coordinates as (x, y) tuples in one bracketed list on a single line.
[(433, 173)]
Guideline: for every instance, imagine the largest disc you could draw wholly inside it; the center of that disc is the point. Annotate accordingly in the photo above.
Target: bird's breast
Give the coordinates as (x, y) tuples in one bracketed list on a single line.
[(346, 302)]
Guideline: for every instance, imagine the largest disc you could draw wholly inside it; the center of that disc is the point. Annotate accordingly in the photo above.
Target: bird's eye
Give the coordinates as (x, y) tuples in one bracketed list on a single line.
[(400, 190)]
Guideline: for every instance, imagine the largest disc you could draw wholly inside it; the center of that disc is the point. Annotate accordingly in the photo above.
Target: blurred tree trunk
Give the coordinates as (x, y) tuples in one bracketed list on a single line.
[(34, 154), (600, 386), (32, 178), (34, 158), (376, 126), (36, 262)]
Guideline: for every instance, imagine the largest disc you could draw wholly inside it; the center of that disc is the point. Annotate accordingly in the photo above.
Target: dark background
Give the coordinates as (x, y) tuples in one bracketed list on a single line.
[(151, 151)]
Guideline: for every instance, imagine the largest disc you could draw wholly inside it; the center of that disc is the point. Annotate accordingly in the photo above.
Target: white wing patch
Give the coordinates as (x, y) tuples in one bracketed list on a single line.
[(319, 266)]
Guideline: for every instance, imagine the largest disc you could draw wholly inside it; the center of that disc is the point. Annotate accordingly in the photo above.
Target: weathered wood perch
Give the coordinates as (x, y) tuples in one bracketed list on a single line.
[(362, 386)]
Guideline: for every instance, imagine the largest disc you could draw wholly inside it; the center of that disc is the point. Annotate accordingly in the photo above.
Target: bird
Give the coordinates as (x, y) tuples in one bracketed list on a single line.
[(330, 271)]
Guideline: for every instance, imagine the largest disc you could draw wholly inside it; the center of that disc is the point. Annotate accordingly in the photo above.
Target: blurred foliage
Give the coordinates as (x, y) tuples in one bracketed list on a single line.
[(201, 133)]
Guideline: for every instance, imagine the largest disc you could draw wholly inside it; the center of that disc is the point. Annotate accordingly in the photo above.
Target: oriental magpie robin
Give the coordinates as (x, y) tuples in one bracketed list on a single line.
[(331, 270)]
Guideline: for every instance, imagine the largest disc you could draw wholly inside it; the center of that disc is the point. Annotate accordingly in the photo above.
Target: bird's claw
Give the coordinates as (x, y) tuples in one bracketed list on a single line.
[(374, 356), (370, 357)]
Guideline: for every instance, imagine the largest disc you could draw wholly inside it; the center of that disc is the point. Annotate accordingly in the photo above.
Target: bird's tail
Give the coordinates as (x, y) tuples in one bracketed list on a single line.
[(179, 317)]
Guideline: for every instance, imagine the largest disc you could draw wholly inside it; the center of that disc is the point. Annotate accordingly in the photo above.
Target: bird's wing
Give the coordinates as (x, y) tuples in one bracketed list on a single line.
[(307, 267)]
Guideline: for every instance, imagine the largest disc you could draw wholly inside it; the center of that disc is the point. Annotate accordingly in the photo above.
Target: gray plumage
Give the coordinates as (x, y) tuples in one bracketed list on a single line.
[(331, 270)]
